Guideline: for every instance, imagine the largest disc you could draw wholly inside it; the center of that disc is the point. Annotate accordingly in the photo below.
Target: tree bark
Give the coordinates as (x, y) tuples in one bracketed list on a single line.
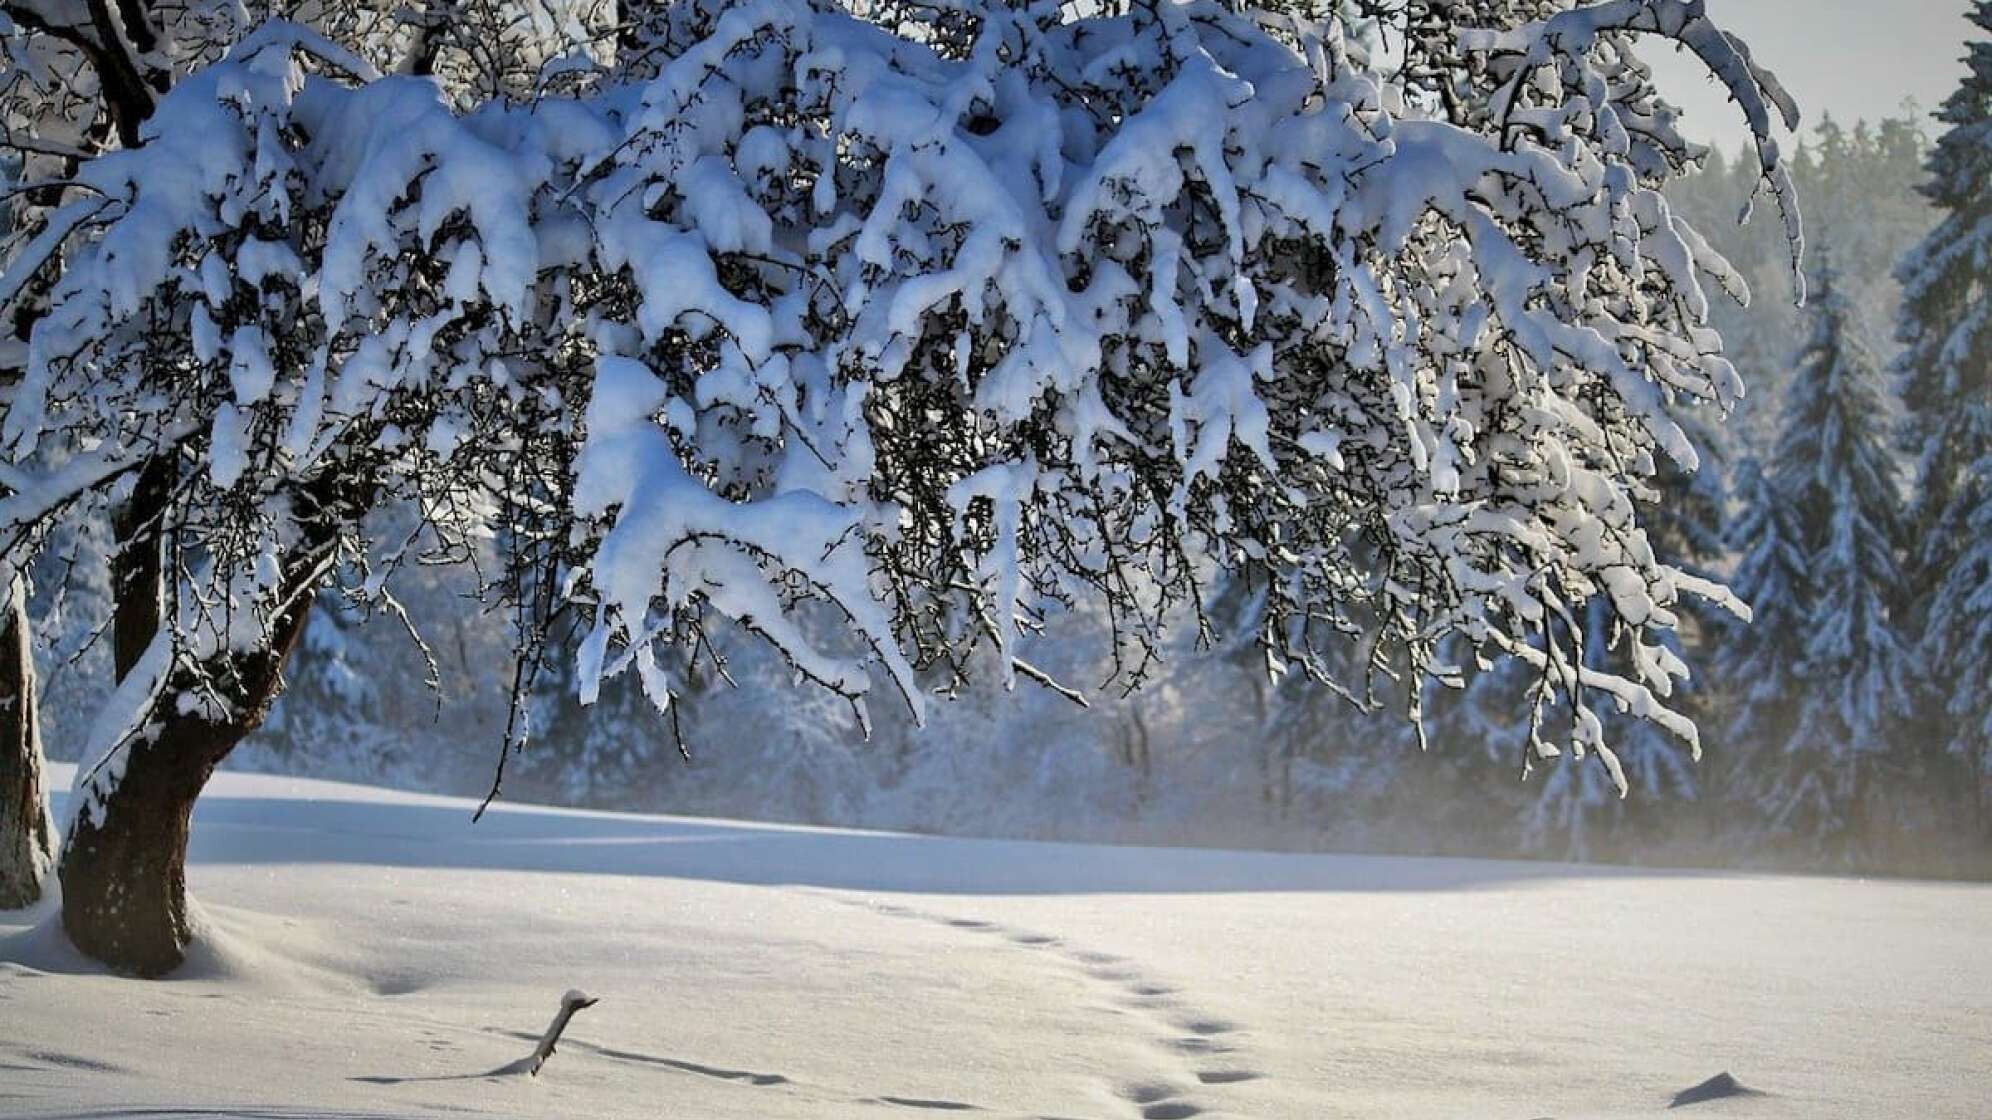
[(124, 870), (27, 841), (124, 866), (138, 566)]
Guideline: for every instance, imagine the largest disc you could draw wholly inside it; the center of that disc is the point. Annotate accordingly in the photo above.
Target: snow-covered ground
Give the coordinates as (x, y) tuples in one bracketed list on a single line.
[(373, 954)]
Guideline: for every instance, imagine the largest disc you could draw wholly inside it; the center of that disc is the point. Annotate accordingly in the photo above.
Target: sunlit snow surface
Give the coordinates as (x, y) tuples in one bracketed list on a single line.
[(373, 954)]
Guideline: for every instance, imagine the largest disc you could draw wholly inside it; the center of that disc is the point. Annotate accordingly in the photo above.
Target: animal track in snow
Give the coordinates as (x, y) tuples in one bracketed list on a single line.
[(1148, 1092), (1158, 1100), (1185, 1031), (1207, 1027), (1227, 1076)]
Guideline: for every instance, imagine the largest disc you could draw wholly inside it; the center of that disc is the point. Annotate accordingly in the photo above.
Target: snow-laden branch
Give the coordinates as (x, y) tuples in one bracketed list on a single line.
[(1571, 37), (881, 337)]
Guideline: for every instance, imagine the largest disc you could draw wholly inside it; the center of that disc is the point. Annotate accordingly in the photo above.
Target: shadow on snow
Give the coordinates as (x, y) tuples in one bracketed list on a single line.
[(258, 830)]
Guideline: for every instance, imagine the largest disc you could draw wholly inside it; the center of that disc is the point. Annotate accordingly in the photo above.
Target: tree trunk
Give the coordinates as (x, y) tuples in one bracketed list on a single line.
[(124, 865), (138, 566), (1978, 755), (124, 868), (27, 842)]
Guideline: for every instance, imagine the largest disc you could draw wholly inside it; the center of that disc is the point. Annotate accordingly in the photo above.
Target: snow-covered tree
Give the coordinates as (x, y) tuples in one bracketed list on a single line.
[(1577, 804), (1858, 667), (332, 709), (877, 333), (1945, 372), (1860, 182), (1760, 658), (1957, 639), (79, 84), (599, 753)]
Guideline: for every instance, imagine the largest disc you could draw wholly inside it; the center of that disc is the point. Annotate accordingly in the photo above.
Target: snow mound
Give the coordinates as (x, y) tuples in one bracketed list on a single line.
[(243, 950)]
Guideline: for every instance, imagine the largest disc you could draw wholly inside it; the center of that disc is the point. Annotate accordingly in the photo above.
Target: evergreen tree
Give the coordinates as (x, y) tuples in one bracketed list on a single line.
[(1835, 473), (610, 753), (1957, 642), (1762, 655), (1945, 371), (336, 723), (1860, 184), (1475, 724)]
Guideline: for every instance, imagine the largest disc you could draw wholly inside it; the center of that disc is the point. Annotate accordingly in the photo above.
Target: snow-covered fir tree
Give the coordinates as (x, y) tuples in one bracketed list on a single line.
[(1858, 668), (334, 714), (601, 754), (1865, 193), (1957, 638), (1759, 658), (1945, 373)]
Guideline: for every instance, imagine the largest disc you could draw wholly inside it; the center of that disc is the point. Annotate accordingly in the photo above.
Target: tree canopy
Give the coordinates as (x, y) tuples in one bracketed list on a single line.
[(933, 322)]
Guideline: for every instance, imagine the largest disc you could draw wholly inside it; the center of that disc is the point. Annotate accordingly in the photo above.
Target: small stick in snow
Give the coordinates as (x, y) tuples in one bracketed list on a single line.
[(570, 1003)]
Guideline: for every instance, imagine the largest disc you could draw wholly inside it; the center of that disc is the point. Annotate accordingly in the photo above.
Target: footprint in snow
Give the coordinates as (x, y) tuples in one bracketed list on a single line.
[(1207, 1027), (1158, 1101), (1198, 1038), (1227, 1076)]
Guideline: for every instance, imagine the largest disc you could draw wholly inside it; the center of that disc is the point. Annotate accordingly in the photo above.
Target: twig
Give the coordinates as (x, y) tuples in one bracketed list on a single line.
[(1032, 673), (573, 1001)]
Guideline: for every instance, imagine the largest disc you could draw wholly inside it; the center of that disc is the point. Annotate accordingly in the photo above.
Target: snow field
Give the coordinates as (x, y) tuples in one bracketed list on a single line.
[(372, 954)]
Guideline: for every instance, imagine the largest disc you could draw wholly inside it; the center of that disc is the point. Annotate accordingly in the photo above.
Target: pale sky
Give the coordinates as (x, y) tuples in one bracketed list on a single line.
[(1852, 58)]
